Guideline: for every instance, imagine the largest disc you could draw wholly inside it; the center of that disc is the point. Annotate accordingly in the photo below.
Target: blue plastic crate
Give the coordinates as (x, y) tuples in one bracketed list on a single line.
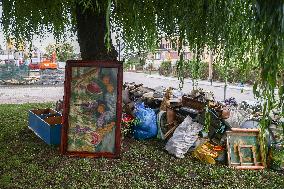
[(46, 124)]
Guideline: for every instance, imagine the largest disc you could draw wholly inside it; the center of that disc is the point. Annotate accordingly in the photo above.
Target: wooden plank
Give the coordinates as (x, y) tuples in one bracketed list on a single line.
[(249, 167), (244, 130)]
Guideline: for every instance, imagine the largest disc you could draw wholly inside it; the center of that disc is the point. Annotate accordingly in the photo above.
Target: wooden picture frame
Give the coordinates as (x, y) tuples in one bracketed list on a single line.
[(92, 109), (243, 147)]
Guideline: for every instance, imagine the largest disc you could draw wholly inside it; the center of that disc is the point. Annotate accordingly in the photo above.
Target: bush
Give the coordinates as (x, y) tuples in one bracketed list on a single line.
[(194, 69), (128, 64), (200, 70), (235, 74), (165, 68)]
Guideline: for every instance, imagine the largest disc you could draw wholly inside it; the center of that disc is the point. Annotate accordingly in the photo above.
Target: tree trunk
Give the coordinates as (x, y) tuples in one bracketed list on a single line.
[(91, 28)]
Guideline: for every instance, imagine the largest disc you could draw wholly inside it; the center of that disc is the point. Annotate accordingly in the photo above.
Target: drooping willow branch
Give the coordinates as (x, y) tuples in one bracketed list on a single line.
[(239, 32)]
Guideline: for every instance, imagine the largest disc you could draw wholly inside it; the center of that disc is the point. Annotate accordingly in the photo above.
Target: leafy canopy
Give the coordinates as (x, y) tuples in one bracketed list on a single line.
[(237, 31), (64, 51)]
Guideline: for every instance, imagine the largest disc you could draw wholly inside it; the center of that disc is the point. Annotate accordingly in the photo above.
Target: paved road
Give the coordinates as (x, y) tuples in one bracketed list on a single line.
[(217, 88), (30, 94)]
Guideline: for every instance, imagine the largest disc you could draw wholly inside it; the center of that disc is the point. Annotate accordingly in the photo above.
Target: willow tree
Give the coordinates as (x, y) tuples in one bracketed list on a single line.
[(241, 31)]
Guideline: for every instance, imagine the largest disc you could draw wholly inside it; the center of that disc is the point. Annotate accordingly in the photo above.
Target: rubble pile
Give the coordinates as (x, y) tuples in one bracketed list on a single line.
[(24, 77), (11, 74), (213, 132), (51, 77)]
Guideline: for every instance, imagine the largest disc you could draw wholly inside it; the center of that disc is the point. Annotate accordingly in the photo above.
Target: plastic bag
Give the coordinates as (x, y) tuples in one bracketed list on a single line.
[(161, 122), (207, 152), (184, 137), (237, 118), (147, 126), (177, 93)]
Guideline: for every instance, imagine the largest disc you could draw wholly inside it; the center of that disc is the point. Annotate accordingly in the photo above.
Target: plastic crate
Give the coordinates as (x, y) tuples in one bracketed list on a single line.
[(46, 124)]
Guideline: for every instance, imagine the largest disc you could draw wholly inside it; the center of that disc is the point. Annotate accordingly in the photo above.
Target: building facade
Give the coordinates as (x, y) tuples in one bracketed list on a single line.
[(167, 51)]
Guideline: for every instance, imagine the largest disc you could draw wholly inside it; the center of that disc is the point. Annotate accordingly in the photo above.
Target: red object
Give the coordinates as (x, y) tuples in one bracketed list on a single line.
[(34, 66), (96, 138), (67, 97), (218, 148), (127, 118), (93, 88)]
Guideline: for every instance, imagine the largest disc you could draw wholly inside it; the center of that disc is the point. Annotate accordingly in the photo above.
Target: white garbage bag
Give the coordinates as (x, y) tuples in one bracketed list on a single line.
[(184, 137)]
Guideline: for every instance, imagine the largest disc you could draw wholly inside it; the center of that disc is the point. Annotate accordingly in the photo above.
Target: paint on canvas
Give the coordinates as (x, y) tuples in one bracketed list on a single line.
[(92, 114)]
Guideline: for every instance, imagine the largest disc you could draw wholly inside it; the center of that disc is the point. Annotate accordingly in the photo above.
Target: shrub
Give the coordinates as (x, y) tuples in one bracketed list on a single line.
[(194, 69), (235, 74), (165, 68)]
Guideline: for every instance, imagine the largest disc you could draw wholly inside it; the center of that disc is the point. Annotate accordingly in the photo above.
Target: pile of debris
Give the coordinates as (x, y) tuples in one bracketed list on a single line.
[(11, 74), (12, 82), (51, 77), (214, 132)]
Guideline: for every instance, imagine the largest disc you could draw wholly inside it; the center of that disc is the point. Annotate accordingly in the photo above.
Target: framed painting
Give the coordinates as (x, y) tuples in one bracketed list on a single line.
[(243, 147), (92, 109)]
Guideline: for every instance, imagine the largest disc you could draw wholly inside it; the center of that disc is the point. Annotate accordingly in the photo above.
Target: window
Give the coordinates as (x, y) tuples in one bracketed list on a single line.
[(186, 56), (157, 56), (168, 45)]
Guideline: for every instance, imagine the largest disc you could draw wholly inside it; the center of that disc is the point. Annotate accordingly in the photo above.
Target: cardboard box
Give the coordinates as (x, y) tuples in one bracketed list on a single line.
[(46, 124)]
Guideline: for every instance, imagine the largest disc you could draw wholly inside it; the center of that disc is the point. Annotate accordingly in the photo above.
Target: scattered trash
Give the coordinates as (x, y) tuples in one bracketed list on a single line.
[(207, 152), (215, 132), (231, 102), (197, 122), (147, 126), (183, 138), (237, 118)]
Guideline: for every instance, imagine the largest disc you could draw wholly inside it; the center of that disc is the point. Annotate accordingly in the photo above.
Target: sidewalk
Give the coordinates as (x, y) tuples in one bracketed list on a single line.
[(203, 82)]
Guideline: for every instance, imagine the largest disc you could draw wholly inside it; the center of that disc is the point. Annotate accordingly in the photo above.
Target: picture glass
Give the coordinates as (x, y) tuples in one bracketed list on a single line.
[(92, 114)]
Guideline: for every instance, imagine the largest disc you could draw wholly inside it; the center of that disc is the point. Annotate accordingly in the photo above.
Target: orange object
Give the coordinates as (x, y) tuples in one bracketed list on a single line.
[(218, 148), (47, 64)]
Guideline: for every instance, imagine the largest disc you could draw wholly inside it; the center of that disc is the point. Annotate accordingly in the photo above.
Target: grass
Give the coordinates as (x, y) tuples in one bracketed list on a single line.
[(27, 162)]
